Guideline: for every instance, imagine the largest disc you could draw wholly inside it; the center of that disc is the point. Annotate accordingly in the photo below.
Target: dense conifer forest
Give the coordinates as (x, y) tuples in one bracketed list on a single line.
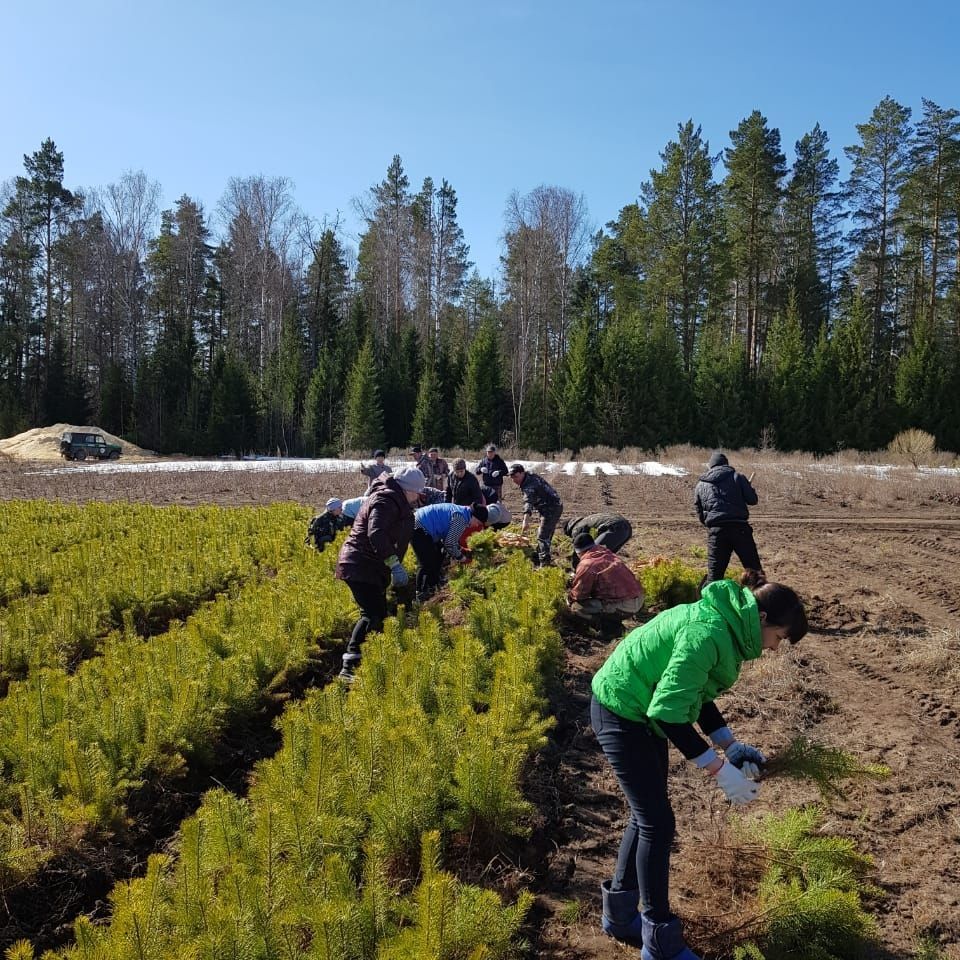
[(745, 298)]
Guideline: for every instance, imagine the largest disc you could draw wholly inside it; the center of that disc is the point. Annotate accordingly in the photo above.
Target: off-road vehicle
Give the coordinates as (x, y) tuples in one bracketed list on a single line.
[(75, 445)]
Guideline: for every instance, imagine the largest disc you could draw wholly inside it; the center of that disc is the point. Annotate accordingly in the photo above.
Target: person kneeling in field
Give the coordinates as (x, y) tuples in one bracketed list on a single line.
[(324, 528), (610, 530), (604, 591), (661, 679)]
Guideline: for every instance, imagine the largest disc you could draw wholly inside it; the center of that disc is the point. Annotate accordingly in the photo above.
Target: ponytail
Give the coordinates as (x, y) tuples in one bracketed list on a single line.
[(781, 604)]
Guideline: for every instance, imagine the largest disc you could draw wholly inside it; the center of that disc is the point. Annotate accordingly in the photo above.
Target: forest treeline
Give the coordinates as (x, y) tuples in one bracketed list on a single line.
[(739, 300)]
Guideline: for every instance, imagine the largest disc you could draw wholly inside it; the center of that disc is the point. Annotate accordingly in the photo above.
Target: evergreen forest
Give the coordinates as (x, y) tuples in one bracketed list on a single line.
[(743, 297)]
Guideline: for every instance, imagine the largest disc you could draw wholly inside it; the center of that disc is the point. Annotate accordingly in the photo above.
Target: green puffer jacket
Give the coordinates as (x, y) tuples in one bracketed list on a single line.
[(668, 668)]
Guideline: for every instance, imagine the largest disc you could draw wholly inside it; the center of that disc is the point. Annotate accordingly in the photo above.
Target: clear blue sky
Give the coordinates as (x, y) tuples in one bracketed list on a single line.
[(494, 95)]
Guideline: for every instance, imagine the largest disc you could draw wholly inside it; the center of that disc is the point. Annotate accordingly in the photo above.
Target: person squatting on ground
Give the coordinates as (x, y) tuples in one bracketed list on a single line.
[(324, 527), (373, 470), (604, 591), (721, 497), (437, 532), (540, 496), (371, 555), (463, 488), (492, 470), (661, 678), (439, 471), (609, 530)]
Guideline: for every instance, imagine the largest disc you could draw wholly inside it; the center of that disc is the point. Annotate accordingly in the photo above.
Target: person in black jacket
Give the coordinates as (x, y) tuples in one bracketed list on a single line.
[(608, 530), (324, 528), (540, 496), (492, 471), (463, 488), (721, 497)]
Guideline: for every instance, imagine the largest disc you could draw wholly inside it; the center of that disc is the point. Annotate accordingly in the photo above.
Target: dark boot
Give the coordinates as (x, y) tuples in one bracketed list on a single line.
[(664, 941), (351, 661), (620, 917)]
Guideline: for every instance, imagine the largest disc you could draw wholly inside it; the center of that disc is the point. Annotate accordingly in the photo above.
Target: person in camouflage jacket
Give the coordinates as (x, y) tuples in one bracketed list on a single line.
[(540, 496)]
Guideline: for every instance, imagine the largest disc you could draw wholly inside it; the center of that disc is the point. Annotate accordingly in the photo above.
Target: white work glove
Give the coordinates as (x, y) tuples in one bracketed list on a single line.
[(735, 785), (748, 759), (496, 473), (483, 469), (398, 573)]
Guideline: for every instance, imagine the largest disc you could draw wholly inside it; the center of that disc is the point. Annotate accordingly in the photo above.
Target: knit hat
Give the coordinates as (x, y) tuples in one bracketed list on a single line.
[(480, 512), (459, 464), (717, 460), (582, 541), (411, 479), (334, 503), (497, 513)]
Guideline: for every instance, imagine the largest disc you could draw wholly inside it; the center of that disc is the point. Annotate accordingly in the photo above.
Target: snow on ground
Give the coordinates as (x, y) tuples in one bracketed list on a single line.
[(278, 464)]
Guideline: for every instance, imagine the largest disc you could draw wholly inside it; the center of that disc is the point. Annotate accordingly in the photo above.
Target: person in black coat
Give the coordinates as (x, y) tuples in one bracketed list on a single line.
[(324, 528), (722, 498), (463, 488), (492, 470)]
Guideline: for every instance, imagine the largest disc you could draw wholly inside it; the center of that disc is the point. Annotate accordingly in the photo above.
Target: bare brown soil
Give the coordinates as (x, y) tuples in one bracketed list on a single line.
[(878, 562)]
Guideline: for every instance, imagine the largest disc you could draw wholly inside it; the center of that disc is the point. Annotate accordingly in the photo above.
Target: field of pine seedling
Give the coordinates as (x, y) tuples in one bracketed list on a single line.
[(181, 776)]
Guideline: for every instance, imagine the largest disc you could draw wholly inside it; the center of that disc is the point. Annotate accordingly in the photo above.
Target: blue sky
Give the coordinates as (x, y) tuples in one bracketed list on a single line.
[(493, 95)]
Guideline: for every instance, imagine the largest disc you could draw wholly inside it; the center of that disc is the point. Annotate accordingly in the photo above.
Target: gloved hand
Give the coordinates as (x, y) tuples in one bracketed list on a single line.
[(735, 785), (748, 759), (398, 573), (483, 470), (496, 473)]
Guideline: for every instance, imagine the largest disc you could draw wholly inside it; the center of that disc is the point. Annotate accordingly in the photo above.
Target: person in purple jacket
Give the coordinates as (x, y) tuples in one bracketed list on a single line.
[(372, 554)]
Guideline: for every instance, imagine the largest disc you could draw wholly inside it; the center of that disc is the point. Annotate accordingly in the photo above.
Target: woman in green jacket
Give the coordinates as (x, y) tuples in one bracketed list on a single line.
[(660, 680)]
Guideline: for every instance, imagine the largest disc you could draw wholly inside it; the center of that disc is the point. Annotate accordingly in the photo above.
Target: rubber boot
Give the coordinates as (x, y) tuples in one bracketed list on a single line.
[(351, 661), (620, 917), (664, 941)]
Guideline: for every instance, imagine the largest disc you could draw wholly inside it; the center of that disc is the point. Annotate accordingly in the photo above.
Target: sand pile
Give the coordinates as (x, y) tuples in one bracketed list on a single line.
[(43, 443)]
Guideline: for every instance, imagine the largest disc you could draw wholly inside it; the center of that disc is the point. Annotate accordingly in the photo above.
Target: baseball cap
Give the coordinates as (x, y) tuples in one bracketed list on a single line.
[(517, 468)]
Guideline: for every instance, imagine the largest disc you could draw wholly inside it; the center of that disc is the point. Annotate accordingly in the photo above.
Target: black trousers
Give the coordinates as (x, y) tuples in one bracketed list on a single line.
[(639, 761), (726, 539), (429, 555), (372, 601)]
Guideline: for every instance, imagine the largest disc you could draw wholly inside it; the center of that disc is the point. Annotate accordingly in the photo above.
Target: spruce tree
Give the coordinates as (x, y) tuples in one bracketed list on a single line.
[(787, 375), (481, 399), (723, 391), (363, 415), (575, 388), (921, 378)]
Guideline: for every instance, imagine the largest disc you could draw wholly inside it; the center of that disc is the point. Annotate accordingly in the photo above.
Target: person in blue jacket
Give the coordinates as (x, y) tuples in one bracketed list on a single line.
[(437, 530)]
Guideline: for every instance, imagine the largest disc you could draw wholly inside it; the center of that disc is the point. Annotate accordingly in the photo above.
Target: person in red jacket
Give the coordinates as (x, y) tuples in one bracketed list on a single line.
[(604, 590), (373, 553)]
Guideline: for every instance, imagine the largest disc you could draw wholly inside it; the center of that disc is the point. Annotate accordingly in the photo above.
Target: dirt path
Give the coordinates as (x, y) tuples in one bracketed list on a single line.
[(875, 602)]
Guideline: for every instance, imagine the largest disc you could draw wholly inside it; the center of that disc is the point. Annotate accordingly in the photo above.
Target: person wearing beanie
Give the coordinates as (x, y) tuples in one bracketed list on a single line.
[(609, 530), (604, 591), (492, 470), (372, 555), (463, 488), (540, 496), (377, 468), (436, 535), (421, 461), (659, 681), (722, 497), (498, 516), (323, 528)]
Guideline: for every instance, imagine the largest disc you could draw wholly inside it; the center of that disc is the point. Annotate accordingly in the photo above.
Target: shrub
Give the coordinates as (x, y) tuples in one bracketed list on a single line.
[(912, 445), (667, 583)]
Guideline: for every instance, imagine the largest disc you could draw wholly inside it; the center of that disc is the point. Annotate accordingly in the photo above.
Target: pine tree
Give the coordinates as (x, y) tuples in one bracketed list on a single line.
[(481, 399), (921, 378), (575, 388), (858, 391), (428, 412), (723, 391), (363, 415), (755, 168), (879, 167), (681, 236), (787, 375)]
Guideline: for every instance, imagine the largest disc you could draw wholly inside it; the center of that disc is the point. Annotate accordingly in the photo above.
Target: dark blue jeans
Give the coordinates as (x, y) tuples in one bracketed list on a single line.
[(639, 760)]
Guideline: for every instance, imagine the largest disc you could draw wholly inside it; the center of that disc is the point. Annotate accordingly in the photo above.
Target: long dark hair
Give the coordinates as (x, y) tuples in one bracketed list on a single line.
[(781, 604)]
